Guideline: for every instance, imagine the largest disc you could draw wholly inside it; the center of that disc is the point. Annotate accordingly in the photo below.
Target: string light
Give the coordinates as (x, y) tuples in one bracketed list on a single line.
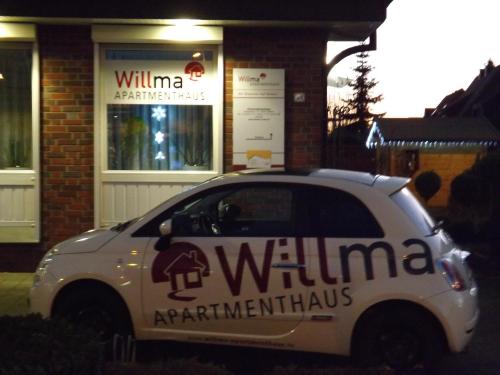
[(376, 139), (159, 113), (159, 137), (160, 156)]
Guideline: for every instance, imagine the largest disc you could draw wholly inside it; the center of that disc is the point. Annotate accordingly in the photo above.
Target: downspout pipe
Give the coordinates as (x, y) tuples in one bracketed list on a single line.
[(371, 46)]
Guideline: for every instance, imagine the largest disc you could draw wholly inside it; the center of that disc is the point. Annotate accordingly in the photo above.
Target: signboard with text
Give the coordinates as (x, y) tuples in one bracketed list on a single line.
[(258, 118), (139, 80)]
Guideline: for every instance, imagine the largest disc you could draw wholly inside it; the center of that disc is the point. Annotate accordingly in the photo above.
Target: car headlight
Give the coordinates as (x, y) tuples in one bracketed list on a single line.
[(43, 266)]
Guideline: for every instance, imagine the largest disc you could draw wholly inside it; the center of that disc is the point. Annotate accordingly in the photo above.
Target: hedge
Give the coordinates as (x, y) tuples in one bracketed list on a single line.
[(35, 346), (32, 345)]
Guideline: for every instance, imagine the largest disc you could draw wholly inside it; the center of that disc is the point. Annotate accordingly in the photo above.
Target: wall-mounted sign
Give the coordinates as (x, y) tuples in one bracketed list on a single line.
[(158, 77), (258, 118)]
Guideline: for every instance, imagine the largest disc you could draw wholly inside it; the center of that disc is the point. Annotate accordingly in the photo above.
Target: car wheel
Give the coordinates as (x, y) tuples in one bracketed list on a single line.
[(402, 339), (101, 311)]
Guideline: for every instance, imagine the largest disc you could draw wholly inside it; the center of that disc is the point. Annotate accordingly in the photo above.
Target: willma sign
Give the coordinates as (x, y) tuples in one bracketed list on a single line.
[(159, 82)]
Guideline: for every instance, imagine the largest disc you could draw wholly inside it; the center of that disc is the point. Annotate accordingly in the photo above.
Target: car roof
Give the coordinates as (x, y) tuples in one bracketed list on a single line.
[(387, 184)]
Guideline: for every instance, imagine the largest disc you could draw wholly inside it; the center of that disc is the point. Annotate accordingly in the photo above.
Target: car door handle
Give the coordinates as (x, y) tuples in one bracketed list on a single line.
[(288, 265)]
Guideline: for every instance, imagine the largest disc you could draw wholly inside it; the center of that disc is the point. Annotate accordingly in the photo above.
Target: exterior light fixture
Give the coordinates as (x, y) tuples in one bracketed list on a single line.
[(185, 22), (1, 76)]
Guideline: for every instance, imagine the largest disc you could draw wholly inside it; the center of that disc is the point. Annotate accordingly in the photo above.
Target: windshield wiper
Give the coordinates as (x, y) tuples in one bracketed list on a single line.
[(122, 226)]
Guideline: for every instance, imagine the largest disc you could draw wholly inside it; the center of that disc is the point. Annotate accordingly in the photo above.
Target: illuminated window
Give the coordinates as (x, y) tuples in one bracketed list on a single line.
[(15, 106), (154, 137), (159, 108)]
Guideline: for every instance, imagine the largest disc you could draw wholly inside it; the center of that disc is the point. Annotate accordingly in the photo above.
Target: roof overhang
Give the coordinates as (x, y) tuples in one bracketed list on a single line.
[(344, 19)]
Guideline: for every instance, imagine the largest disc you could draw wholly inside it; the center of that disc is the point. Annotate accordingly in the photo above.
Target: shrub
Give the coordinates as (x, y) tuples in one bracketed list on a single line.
[(193, 367), (465, 189), (294, 370), (474, 207), (32, 345), (427, 184), (181, 366)]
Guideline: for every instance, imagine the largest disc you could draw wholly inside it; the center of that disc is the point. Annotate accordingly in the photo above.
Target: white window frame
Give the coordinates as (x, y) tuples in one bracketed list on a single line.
[(152, 35), (22, 33)]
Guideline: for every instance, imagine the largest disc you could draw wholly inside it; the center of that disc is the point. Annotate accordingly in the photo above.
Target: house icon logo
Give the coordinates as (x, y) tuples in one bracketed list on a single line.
[(195, 70), (183, 265)]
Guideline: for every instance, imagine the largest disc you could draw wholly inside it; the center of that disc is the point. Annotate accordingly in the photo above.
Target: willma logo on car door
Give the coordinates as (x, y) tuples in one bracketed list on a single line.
[(184, 266)]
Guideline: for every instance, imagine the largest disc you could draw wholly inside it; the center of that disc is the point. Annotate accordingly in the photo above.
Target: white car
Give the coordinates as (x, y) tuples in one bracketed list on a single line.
[(323, 260)]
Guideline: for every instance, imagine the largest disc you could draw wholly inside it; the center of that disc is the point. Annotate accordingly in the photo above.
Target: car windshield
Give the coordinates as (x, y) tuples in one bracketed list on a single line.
[(415, 211)]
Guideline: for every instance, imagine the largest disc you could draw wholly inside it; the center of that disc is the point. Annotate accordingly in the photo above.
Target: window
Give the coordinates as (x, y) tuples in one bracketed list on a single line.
[(257, 211), (242, 211), (156, 137), (335, 213), (15, 106), (248, 211), (159, 107), (414, 210)]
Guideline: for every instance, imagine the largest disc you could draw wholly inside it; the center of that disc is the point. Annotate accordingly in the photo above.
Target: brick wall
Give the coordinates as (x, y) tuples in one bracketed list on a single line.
[(66, 63), (66, 69), (66, 111), (302, 54)]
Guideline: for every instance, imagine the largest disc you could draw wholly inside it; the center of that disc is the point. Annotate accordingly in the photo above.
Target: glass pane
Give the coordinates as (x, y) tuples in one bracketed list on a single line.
[(15, 108), (412, 208), (262, 204), (159, 137), (259, 211), (335, 213)]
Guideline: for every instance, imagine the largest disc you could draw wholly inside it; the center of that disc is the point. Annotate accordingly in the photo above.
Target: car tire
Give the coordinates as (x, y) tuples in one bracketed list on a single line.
[(100, 310), (401, 339)]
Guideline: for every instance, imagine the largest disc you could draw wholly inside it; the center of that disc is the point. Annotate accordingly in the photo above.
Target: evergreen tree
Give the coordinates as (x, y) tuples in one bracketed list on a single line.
[(361, 100)]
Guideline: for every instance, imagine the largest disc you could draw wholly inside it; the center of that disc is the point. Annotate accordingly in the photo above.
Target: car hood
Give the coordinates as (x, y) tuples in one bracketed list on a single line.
[(86, 242)]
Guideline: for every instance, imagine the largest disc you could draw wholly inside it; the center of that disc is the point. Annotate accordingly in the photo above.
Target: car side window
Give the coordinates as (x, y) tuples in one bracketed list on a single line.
[(241, 210), (336, 213), (256, 210)]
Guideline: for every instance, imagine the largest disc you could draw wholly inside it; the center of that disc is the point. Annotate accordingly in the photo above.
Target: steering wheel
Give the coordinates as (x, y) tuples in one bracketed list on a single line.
[(208, 224)]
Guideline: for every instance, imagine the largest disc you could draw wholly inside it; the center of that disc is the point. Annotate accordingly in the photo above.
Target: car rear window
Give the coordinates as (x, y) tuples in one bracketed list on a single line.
[(339, 214), (414, 210)]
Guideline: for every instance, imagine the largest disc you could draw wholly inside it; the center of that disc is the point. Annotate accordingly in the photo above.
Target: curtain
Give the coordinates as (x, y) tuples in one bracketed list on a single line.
[(15, 107), (159, 137)]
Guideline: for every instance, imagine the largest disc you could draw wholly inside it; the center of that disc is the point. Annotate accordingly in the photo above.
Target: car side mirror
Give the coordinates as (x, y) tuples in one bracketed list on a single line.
[(163, 242), (166, 228)]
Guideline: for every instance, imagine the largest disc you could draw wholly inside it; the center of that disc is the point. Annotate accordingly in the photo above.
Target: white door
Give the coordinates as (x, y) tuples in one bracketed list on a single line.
[(19, 143)]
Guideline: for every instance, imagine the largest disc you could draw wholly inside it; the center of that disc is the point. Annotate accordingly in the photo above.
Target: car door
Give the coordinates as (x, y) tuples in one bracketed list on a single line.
[(232, 265)]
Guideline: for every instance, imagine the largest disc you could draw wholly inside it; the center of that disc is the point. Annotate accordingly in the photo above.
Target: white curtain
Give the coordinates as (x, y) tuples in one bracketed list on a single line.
[(15, 106), (159, 137)]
